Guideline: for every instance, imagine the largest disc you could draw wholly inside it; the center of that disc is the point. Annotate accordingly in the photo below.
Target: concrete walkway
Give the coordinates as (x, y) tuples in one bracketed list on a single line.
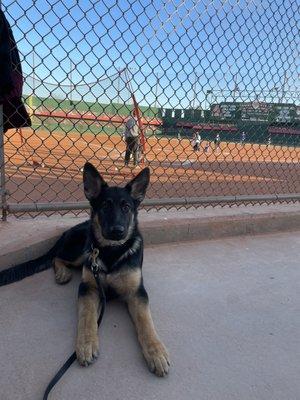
[(228, 310), (22, 240)]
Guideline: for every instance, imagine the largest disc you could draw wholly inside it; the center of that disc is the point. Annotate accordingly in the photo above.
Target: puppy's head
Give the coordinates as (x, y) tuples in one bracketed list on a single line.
[(114, 209)]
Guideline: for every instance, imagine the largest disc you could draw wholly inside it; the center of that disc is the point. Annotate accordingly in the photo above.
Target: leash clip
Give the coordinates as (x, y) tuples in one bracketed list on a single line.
[(96, 265)]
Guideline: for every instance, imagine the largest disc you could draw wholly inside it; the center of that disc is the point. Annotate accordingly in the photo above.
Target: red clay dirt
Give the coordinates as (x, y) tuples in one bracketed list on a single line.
[(46, 166)]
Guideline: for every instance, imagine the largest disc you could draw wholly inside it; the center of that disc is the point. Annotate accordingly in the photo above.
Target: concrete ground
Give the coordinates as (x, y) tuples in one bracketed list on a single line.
[(228, 310), (22, 240)]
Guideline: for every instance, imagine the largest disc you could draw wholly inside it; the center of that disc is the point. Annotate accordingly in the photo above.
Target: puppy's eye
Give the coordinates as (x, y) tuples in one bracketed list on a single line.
[(125, 208)]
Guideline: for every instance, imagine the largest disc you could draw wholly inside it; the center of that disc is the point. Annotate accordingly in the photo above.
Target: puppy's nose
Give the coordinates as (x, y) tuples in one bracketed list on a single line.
[(117, 230)]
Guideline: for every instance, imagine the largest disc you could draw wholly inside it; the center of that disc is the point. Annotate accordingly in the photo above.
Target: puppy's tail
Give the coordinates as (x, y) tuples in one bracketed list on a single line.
[(28, 268)]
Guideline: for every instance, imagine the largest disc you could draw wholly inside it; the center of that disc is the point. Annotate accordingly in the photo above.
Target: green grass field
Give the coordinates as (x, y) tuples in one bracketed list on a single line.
[(52, 104), (255, 133)]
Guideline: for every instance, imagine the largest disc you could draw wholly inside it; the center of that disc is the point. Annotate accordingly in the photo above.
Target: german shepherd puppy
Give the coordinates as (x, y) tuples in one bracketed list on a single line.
[(113, 230)]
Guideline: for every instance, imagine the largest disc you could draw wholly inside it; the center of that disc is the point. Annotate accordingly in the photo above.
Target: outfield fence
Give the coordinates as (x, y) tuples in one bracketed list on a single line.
[(213, 85)]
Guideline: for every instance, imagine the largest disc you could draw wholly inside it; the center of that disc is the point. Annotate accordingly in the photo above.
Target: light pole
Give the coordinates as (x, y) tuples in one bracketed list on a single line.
[(71, 82), (194, 87), (118, 86), (156, 91)]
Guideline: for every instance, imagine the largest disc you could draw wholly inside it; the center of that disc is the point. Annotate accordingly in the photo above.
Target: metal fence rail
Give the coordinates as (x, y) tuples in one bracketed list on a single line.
[(213, 87)]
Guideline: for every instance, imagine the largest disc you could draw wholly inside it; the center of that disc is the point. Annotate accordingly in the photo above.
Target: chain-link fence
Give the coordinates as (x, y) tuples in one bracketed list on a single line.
[(205, 93)]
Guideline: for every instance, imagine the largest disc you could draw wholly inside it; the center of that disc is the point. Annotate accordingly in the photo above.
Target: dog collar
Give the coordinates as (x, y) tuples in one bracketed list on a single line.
[(96, 264)]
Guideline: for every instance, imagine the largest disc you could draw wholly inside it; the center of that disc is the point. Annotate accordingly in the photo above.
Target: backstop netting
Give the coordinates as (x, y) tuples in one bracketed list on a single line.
[(98, 107)]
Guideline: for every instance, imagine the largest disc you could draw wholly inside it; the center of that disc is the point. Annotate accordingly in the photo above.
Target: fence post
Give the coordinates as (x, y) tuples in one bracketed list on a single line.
[(2, 168)]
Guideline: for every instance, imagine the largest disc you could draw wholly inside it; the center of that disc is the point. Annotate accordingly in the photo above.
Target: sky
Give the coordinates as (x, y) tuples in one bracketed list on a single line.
[(179, 54)]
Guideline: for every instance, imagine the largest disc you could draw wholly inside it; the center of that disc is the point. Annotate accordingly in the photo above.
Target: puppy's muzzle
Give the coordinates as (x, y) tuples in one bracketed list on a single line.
[(117, 232)]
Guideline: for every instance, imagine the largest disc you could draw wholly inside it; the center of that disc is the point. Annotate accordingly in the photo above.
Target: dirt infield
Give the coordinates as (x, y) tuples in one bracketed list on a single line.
[(46, 167)]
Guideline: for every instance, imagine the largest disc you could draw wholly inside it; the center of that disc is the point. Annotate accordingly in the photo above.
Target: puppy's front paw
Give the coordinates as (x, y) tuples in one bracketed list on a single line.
[(157, 358), (63, 275), (87, 351)]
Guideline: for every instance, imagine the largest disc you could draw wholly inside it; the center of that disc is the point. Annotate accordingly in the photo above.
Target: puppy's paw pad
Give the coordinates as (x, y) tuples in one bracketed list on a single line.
[(157, 358)]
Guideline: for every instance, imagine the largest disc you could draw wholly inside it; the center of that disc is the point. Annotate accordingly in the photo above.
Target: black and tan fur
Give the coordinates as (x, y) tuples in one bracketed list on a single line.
[(113, 229)]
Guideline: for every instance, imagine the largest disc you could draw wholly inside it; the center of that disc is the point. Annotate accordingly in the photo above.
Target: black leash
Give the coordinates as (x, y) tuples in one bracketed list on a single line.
[(96, 269)]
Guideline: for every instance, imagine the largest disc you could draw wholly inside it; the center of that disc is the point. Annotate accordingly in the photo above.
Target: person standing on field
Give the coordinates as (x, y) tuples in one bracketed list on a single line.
[(243, 137), (217, 141), (196, 141), (132, 139), (206, 148)]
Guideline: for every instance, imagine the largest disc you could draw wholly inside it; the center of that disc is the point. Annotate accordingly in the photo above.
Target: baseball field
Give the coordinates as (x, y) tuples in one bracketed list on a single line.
[(43, 166)]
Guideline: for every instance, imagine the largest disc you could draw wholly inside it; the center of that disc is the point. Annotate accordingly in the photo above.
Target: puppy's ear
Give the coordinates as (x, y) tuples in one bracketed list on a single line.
[(93, 182), (138, 186)]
